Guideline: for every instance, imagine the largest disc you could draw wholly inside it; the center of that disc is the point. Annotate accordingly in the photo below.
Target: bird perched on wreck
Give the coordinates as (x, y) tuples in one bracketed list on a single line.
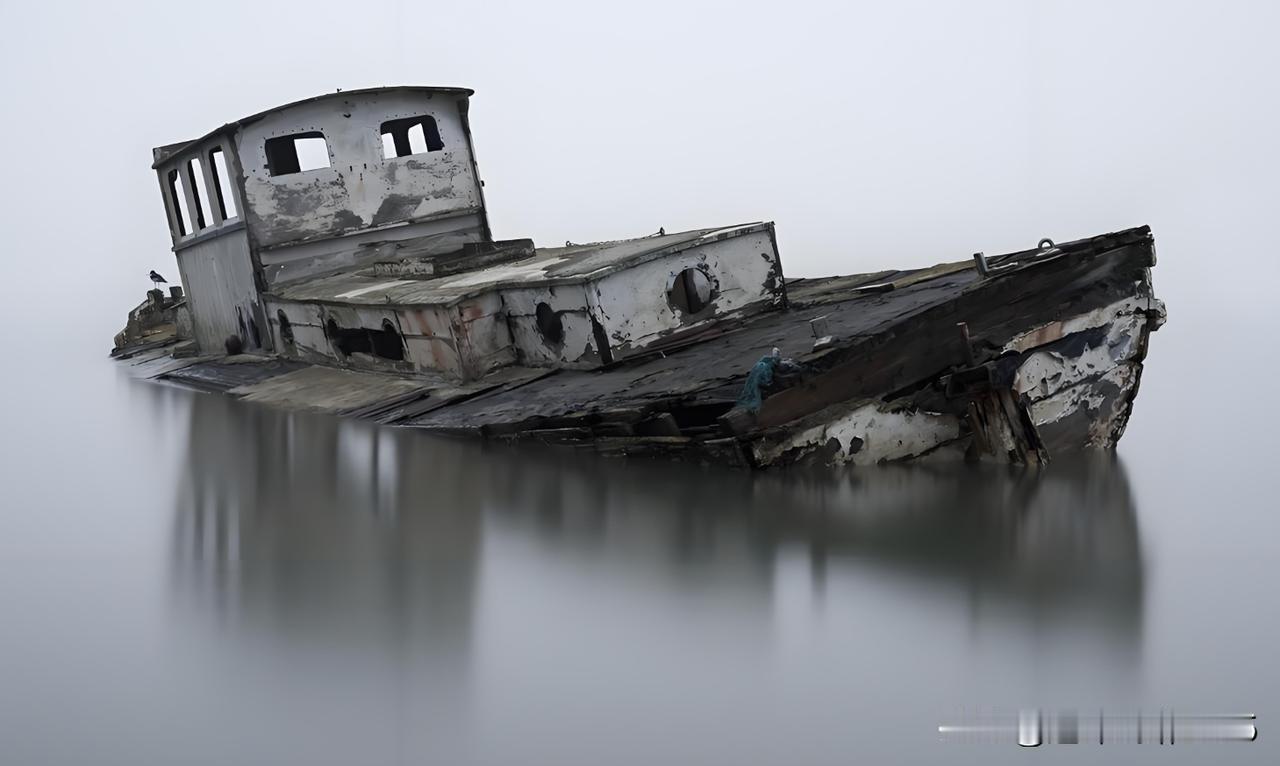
[(156, 279)]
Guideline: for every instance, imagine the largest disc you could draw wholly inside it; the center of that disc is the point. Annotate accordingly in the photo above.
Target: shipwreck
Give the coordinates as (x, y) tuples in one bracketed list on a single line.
[(335, 255)]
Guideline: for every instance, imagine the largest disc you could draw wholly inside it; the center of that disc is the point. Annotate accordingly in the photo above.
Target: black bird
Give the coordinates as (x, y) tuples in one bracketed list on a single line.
[(156, 279)]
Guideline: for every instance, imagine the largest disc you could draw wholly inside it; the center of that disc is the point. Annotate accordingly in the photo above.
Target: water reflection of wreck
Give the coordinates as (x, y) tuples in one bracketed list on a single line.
[(312, 528), (296, 521)]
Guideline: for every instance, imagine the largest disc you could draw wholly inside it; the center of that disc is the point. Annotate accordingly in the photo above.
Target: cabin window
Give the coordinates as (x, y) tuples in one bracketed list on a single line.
[(222, 184), (297, 153), (195, 174), (178, 197), (410, 135), (691, 291)]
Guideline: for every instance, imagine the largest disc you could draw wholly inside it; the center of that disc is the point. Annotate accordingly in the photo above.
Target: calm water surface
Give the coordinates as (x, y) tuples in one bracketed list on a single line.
[(186, 579)]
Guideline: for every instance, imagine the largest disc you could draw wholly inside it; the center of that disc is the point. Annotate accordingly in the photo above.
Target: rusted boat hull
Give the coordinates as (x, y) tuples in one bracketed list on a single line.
[(1015, 358)]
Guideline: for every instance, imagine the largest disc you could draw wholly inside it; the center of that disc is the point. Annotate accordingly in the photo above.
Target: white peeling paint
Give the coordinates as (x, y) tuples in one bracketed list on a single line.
[(633, 304), (1104, 401), (1099, 382), (1091, 396), (522, 271), (361, 188), (374, 288), (885, 435), (1048, 333), (1044, 373)]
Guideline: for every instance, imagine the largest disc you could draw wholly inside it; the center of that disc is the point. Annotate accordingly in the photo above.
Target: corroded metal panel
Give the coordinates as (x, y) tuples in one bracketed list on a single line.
[(303, 260), (426, 334), (561, 334), (433, 353), (635, 308), (359, 189), (218, 277), (484, 340)]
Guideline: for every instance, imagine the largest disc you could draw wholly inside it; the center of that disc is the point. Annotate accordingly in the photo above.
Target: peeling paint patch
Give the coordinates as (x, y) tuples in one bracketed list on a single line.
[(868, 434), (1100, 399), (345, 219), (1044, 373), (372, 288), (1052, 331), (362, 188)]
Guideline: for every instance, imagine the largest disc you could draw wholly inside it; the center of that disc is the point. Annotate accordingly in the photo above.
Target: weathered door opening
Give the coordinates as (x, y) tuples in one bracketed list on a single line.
[(550, 325)]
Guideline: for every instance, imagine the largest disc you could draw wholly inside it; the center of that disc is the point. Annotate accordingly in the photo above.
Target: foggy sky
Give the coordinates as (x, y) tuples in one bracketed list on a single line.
[(875, 134)]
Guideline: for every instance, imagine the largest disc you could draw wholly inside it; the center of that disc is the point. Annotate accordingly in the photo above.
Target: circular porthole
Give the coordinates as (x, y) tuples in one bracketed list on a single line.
[(691, 291), (550, 325)]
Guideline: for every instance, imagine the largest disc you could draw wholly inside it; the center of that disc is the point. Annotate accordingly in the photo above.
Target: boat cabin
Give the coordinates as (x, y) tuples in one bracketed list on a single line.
[(351, 229)]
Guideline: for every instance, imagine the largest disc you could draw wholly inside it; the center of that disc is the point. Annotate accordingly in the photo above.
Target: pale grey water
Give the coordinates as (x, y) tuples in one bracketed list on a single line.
[(186, 579)]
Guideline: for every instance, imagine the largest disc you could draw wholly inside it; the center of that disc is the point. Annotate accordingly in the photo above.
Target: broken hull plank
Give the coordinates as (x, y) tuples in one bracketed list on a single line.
[(1051, 365)]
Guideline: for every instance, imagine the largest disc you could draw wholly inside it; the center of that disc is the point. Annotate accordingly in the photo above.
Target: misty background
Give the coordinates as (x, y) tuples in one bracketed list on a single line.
[(876, 135)]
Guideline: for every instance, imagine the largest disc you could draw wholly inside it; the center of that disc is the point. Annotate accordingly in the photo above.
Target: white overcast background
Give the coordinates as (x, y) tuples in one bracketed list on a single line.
[(875, 134)]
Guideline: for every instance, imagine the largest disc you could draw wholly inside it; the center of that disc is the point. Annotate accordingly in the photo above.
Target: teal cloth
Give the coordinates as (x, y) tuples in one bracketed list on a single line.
[(760, 378)]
